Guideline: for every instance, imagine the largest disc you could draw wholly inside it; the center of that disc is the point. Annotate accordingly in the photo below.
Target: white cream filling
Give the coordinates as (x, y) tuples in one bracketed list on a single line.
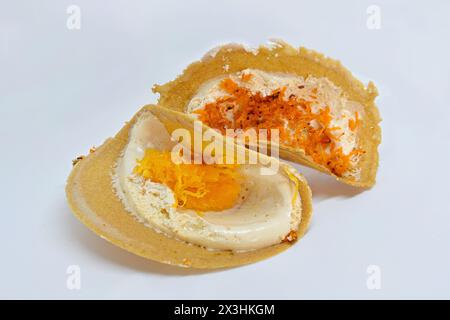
[(265, 216), (328, 94)]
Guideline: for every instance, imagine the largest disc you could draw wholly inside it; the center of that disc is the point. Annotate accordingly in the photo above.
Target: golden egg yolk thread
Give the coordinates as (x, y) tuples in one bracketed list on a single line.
[(200, 187)]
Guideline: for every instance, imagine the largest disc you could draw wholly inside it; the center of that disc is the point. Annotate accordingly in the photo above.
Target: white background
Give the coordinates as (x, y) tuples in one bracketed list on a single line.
[(63, 91)]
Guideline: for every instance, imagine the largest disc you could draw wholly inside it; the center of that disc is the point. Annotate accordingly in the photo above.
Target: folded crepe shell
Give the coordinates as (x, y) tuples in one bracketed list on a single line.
[(282, 58), (95, 202)]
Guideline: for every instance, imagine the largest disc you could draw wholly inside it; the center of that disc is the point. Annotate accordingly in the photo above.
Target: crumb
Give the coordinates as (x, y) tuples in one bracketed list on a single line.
[(187, 262), (291, 237), (77, 159)]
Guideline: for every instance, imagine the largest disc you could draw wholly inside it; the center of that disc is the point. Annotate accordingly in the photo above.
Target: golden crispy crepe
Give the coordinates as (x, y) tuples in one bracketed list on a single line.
[(94, 200), (309, 77)]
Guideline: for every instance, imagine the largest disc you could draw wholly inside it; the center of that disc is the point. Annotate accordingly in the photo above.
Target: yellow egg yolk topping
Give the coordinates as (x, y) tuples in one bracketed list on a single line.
[(298, 125), (200, 187)]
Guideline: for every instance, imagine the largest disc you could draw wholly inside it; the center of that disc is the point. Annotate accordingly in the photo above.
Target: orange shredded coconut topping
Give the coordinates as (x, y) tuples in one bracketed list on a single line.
[(246, 77), (200, 187), (353, 123), (298, 125)]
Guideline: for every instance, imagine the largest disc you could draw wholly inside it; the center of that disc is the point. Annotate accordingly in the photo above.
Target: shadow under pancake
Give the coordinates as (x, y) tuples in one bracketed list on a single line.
[(324, 186)]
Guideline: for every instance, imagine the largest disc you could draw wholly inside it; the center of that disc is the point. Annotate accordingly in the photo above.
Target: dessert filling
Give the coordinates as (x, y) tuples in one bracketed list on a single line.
[(311, 114), (224, 207), (200, 187)]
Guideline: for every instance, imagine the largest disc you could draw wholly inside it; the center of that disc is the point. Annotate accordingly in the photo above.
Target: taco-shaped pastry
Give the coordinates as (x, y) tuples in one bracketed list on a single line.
[(205, 214), (324, 117)]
